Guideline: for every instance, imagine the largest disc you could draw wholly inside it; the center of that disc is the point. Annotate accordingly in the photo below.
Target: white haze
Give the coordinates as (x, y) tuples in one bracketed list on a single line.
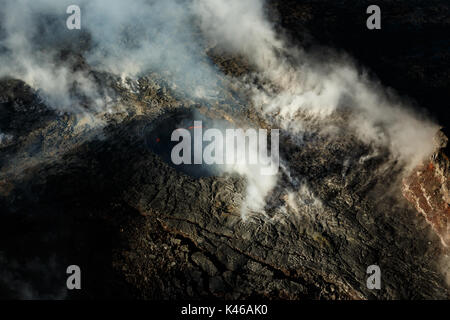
[(296, 83), (317, 88), (130, 39), (23, 32)]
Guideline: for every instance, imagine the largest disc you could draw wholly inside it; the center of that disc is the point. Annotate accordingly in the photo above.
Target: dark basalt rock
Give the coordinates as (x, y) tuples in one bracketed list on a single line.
[(106, 200)]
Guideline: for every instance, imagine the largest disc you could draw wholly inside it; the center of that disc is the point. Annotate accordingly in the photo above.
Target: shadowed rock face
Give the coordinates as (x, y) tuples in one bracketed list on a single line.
[(140, 228), (107, 200), (409, 53), (158, 137)]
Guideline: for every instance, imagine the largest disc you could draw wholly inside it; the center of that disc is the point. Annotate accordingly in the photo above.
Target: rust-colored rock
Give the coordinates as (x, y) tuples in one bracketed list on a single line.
[(428, 189)]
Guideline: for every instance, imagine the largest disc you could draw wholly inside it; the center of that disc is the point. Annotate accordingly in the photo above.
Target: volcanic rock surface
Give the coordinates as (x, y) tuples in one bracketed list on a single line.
[(428, 189), (72, 192)]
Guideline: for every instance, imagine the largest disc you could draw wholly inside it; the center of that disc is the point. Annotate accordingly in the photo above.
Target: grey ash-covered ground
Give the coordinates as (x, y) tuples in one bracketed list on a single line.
[(138, 228)]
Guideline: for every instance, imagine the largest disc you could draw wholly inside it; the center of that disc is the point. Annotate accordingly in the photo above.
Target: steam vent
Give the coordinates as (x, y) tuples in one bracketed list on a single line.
[(221, 151)]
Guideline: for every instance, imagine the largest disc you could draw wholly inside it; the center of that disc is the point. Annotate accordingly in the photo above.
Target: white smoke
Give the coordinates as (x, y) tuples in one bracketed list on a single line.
[(130, 39), (298, 83), (126, 39), (259, 185), (27, 53)]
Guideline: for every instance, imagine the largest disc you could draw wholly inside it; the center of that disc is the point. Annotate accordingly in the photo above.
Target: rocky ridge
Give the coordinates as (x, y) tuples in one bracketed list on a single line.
[(428, 189), (99, 196)]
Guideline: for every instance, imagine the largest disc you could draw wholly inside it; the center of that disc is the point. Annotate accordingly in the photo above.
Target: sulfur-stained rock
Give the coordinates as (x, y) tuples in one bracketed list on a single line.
[(427, 187)]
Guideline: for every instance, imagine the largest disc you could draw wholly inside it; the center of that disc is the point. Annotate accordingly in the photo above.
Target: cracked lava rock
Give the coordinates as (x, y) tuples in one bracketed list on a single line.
[(108, 199)]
